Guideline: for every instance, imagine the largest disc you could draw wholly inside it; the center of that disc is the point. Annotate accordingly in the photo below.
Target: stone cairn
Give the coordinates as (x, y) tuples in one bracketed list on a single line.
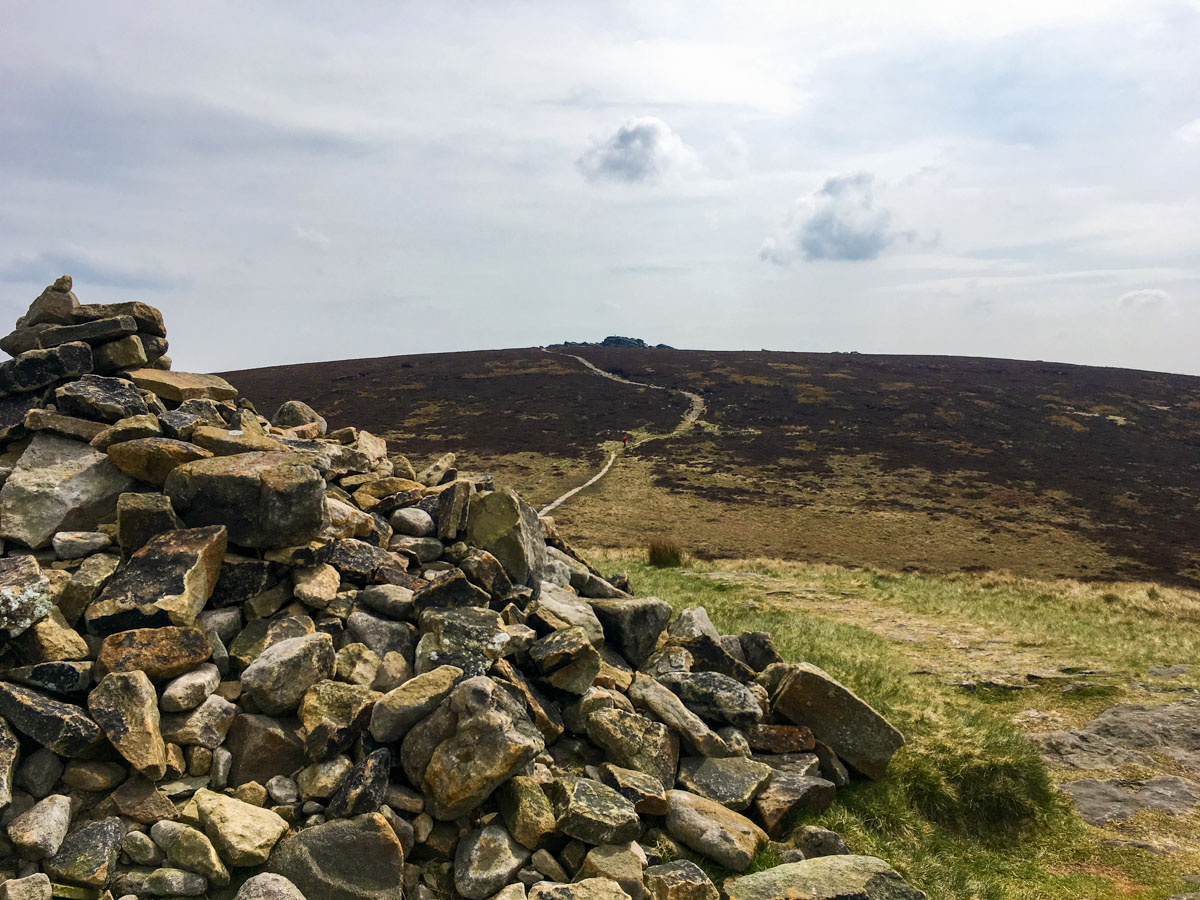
[(261, 659)]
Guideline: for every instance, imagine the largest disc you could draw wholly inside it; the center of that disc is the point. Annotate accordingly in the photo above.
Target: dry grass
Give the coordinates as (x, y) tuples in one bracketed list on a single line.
[(664, 553)]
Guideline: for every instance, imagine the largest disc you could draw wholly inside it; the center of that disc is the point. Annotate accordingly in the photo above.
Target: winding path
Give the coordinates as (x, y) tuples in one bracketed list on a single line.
[(691, 417)]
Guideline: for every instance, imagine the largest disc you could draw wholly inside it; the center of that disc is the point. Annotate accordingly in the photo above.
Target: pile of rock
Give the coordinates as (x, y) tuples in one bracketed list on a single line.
[(252, 657)]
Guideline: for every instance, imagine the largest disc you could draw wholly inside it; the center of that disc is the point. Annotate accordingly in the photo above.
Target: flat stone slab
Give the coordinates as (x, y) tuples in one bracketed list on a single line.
[(1100, 802), (180, 386), (1129, 735)]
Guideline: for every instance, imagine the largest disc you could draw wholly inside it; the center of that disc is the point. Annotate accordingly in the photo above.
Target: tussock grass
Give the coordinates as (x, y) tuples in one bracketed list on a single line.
[(664, 553), (968, 809)]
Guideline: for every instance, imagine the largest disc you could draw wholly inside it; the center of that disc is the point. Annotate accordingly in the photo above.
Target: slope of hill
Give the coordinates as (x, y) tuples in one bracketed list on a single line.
[(929, 463)]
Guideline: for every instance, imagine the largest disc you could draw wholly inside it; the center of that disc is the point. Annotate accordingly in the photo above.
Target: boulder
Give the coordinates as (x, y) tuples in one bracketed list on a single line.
[(36, 369), (633, 741), (167, 582), (24, 595), (278, 678), (505, 526), (61, 727), (789, 794), (88, 855), (400, 709), (346, 859), (101, 399), (161, 653), (717, 698), (187, 848), (485, 861), (584, 889), (633, 625), (733, 781), (724, 836), (334, 714), (838, 718), (58, 485), (125, 706), (526, 810), (593, 812), (152, 459), (243, 834), (267, 886), (470, 745), (40, 830), (824, 878), (180, 386), (263, 499)]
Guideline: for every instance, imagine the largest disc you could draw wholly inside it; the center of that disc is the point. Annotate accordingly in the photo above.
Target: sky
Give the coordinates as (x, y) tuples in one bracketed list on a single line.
[(296, 181)]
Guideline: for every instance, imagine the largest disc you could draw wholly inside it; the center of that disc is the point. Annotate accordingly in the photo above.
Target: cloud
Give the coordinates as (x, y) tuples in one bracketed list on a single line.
[(1190, 132), (840, 221), (1145, 300), (311, 236), (644, 149), (86, 269)]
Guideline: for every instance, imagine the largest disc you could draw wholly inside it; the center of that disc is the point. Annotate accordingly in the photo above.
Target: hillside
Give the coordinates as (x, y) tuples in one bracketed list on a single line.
[(936, 464)]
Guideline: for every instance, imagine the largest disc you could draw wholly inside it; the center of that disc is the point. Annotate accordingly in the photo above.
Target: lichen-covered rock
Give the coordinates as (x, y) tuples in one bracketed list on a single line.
[(824, 878), (838, 718), (167, 582), (58, 485), (593, 812), (486, 860), (62, 727), (88, 855), (152, 459), (263, 499), (724, 836), (125, 705), (681, 879), (24, 595), (243, 834), (346, 859), (40, 830), (470, 745), (505, 526)]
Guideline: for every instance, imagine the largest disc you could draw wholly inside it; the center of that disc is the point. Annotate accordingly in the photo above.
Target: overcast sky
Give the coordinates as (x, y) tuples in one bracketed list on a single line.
[(295, 181)]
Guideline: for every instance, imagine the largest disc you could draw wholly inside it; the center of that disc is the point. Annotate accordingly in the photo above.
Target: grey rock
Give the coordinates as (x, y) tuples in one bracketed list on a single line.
[(593, 812), (190, 689), (1101, 802), (58, 485), (39, 831), (278, 678), (346, 859), (715, 697), (838, 718), (505, 526), (824, 878), (39, 772), (412, 521), (724, 836), (266, 886), (633, 625), (485, 861), (24, 595), (31, 887), (733, 782)]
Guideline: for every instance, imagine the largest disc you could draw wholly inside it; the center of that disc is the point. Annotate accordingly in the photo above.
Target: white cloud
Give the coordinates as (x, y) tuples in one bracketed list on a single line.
[(644, 149), (1190, 132), (311, 236), (1145, 300), (839, 221)]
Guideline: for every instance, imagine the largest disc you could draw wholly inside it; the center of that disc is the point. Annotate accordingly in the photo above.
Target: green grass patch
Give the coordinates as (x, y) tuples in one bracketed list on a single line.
[(967, 809)]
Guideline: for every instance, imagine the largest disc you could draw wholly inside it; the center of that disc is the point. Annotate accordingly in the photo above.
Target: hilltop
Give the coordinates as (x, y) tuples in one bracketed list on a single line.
[(936, 464)]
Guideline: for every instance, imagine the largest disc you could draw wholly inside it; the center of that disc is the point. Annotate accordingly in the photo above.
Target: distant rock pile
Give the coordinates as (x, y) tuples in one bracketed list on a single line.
[(625, 343), (254, 658)]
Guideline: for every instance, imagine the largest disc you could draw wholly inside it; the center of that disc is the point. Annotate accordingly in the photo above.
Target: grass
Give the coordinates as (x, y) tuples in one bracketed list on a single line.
[(968, 809), (664, 553)]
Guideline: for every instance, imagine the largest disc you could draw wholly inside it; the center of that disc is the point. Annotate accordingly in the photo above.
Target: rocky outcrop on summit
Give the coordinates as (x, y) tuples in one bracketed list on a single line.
[(251, 659)]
